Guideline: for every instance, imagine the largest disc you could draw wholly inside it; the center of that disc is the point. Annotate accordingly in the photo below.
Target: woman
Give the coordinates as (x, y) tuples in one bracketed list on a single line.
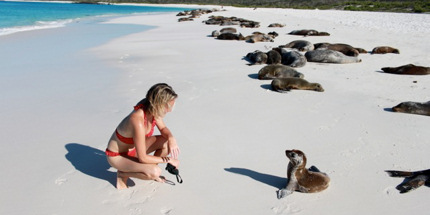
[(130, 147)]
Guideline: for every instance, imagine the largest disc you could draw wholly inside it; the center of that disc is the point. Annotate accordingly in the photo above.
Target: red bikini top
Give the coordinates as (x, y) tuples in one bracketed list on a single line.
[(129, 140)]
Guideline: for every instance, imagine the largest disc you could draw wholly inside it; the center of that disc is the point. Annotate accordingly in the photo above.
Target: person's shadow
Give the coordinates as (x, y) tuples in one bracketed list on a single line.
[(274, 181), (90, 161)]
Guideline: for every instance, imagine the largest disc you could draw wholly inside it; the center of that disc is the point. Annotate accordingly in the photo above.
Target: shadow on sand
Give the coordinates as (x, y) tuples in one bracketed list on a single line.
[(90, 161), (274, 181)]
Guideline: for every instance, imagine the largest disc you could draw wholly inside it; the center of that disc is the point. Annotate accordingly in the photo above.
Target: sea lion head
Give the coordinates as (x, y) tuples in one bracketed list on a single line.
[(317, 87), (297, 157)]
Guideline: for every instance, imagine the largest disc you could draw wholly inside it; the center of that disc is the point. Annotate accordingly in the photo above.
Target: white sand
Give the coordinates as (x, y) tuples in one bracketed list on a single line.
[(232, 131)]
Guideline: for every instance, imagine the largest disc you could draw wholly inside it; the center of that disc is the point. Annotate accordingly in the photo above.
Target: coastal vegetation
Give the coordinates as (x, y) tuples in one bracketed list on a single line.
[(408, 6)]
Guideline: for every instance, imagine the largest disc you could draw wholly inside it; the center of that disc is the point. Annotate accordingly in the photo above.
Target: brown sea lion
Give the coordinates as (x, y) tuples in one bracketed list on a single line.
[(228, 30), (340, 47), (385, 50), (409, 69), (413, 108), (301, 179), (286, 84), (278, 71), (413, 179)]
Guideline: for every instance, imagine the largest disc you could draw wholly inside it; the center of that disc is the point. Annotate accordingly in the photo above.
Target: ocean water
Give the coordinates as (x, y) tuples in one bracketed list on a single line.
[(25, 16)]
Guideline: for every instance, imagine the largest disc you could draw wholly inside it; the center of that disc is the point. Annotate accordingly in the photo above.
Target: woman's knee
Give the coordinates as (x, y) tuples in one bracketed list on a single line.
[(154, 172)]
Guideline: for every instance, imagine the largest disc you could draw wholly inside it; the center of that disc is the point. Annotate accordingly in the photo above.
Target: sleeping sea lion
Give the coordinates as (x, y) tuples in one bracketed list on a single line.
[(302, 179), (283, 85), (293, 58), (278, 71), (385, 50), (409, 69), (257, 57), (301, 45), (329, 56), (413, 108)]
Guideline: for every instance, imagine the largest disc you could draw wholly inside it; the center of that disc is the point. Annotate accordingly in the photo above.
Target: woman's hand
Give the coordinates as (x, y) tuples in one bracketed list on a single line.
[(174, 162), (173, 148)]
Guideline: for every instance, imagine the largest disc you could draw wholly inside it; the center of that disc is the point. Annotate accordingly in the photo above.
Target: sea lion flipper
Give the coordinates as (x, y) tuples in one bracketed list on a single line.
[(394, 173), (283, 193), (410, 185)]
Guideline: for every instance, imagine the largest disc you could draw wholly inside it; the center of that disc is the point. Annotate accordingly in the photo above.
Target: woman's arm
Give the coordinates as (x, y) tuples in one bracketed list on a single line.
[(165, 132)]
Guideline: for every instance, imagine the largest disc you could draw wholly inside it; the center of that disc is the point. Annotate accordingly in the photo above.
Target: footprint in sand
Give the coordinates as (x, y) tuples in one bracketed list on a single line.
[(63, 179), (165, 211), (285, 209)]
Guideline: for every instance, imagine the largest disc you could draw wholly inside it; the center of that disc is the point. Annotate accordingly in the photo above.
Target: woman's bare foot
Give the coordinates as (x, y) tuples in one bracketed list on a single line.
[(121, 181)]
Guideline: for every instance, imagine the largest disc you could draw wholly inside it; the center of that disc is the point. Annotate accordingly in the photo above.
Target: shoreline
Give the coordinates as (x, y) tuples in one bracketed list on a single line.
[(345, 131)]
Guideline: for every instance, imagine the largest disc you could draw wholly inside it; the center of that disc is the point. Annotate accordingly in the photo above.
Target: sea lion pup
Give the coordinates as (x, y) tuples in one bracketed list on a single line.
[(278, 71), (413, 108), (329, 56), (283, 85), (413, 180), (273, 57), (301, 179), (301, 45), (409, 69), (257, 57), (230, 36), (385, 50), (340, 47)]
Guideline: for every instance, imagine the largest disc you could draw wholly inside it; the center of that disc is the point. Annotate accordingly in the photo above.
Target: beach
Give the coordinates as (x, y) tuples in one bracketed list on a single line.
[(63, 98)]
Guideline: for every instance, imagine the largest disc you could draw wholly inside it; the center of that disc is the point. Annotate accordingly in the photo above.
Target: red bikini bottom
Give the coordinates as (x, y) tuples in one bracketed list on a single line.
[(131, 153)]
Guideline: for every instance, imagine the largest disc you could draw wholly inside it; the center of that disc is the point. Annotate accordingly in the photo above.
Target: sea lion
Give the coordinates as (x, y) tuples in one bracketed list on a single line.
[(276, 25), (278, 71), (301, 179), (230, 36), (413, 179), (283, 85), (257, 57), (273, 57), (215, 33), (293, 58), (308, 32), (259, 37), (385, 50), (228, 30), (409, 69), (301, 45), (340, 47), (329, 56), (413, 108)]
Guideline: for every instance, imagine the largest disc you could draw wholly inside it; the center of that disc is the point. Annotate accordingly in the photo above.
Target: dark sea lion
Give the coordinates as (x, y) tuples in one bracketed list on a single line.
[(413, 180), (409, 69), (329, 56), (340, 47), (301, 45), (304, 32), (273, 57), (276, 25), (287, 84), (413, 108), (301, 179), (230, 36), (385, 50), (257, 57), (278, 71)]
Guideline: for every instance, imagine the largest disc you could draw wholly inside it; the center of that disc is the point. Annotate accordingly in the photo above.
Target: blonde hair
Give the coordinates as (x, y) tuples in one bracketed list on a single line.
[(157, 98)]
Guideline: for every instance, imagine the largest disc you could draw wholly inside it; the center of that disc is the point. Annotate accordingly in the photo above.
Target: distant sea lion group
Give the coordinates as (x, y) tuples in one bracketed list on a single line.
[(285, 78)]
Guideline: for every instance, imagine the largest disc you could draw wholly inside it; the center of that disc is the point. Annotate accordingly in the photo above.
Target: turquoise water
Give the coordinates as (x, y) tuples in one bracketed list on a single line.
[(24, 16)]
